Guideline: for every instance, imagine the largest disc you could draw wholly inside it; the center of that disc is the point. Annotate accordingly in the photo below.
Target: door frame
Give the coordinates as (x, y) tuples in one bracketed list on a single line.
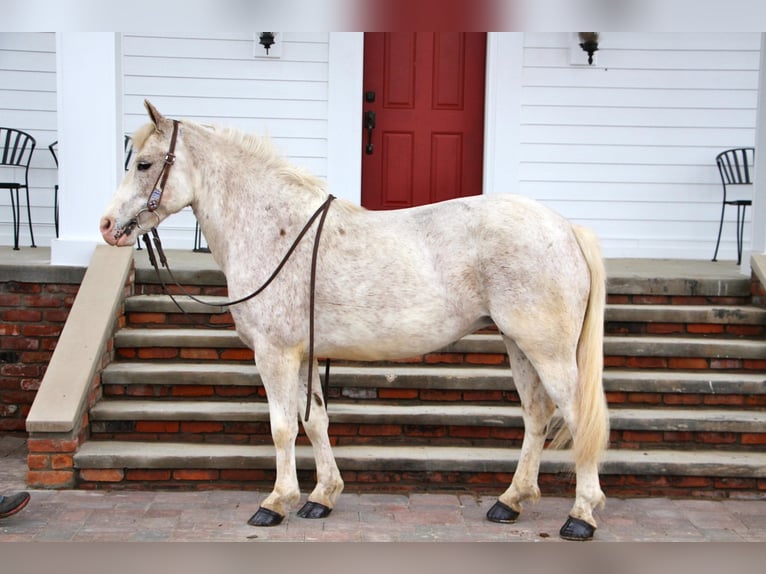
[(502, 123)]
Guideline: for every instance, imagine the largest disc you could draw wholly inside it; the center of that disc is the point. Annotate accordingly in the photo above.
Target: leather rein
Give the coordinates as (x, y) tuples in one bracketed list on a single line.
[(153, 243)]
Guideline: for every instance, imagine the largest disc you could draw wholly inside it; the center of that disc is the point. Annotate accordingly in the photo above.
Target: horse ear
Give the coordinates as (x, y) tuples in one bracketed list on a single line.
[(159, 121)]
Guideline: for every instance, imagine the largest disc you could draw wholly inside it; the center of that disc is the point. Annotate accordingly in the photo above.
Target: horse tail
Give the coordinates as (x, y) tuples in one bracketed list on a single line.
[(592, 433)]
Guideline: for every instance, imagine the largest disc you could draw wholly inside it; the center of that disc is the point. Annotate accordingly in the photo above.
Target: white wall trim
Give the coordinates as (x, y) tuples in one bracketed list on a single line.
[(759, 187), (344, 115), (502, 114), (89, 82)]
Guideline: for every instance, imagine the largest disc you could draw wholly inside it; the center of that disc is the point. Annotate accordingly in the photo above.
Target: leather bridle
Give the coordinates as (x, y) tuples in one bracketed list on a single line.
[(157, 190), (154, 202)]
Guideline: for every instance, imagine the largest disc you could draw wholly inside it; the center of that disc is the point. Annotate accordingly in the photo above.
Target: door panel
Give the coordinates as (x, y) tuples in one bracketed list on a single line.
[(426, 90)]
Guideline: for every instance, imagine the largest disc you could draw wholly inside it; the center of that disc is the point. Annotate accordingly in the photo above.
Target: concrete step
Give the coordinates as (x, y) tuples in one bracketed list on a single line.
[(430, 377), (635, 346), (183, 338), (666, 419), (153, 455), (697, 314), (666, 277), (638, 346), (164, 304), (715, 314)]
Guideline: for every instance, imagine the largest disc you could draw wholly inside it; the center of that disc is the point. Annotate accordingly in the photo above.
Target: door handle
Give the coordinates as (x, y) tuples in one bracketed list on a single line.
[(369, 125)]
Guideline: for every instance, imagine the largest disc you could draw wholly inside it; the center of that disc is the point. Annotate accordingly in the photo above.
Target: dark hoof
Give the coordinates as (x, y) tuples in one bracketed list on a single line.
[(502, 513), (314, 510), (576, 529), (265, 517)]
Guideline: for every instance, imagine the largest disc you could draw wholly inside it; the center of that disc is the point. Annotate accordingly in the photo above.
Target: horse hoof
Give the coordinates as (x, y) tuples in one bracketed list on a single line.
[(314, 510), (576, 529), (502, 513), (265, 517)]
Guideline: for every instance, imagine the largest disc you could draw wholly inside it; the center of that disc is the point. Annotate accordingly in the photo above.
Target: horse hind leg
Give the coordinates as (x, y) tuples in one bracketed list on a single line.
[(329, 482), (537, 411), (560, 378)]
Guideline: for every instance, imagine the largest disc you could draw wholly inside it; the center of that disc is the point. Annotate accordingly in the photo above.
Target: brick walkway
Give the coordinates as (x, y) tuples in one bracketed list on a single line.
[(222, 516)]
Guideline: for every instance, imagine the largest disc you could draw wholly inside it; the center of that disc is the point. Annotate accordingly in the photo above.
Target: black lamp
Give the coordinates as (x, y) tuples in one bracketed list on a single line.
[(266, 39), (589, 44)]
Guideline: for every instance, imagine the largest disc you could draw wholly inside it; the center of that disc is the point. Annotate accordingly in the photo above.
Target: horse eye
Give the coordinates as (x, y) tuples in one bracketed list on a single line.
[(143, 165)]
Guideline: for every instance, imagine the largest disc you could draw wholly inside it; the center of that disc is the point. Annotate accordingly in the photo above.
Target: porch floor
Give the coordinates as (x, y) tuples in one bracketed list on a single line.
[(16, 265)]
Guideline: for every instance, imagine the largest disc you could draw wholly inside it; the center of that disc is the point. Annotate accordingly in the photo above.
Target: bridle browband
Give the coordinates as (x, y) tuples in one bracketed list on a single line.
[(321, 213)]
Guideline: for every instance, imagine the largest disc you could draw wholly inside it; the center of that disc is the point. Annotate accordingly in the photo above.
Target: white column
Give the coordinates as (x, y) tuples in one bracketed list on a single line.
[(502, 114), (344, 115), (89, 83), (759, 192)]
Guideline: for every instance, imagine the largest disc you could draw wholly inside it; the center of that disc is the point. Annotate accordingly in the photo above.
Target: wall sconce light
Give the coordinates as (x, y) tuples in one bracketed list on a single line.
[(589, 44), (266, 39), (267, 45)]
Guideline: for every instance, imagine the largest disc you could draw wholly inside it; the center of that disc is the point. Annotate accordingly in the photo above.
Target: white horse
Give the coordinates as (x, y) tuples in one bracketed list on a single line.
[(389, 285)]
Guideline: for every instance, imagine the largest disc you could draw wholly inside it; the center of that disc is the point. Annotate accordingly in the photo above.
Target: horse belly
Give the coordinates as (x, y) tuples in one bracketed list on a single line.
[(394, 331), (390, 344)]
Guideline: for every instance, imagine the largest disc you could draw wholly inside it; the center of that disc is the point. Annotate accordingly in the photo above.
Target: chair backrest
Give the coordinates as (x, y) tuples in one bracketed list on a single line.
[(128, 151), (52, 149), (736, 166), (16, 147)]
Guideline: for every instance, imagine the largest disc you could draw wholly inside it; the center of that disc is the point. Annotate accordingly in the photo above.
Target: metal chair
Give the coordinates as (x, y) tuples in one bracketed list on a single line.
[(52, 149), (736, 168), (200, 245), (16, 149), (128, 144)]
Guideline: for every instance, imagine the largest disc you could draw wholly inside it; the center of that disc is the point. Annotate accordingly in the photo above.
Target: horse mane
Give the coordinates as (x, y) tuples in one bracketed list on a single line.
[(267, 153)]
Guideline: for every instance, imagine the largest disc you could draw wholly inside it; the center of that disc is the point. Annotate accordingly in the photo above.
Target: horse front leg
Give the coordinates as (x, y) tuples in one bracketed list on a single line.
[(329, 482), (279, 373)]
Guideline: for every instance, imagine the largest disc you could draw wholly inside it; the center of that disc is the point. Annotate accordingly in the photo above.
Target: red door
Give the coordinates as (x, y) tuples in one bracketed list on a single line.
[(423, 132)]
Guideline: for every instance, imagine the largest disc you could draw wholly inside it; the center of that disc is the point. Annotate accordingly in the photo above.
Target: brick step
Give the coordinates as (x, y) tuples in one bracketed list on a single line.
[(660, 472), (639, 346), (718, 420), (424, 382), (159, 311), (692, 320), (626, 277), (675, 313), (181, 342), (155, 311), (697, 314)]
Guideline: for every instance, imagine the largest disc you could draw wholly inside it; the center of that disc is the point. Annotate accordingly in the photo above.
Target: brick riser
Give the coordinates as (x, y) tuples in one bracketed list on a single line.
[(612, 298), (492, 483), (476, 359), (409, 395), (412, 435)]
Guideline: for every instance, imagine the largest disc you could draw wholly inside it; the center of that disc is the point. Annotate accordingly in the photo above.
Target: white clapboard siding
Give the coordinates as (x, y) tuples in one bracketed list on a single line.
[(28, 103), (628, 145), (216, 78)]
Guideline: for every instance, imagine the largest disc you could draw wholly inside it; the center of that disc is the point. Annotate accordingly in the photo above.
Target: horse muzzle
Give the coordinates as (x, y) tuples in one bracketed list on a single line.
[(120, 235)]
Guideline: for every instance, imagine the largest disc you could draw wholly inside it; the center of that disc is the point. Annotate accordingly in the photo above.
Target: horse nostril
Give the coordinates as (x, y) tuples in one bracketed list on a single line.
[(106, 224)]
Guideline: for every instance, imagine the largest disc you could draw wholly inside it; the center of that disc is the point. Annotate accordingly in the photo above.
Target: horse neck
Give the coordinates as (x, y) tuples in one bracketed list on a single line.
[(247, 210)]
